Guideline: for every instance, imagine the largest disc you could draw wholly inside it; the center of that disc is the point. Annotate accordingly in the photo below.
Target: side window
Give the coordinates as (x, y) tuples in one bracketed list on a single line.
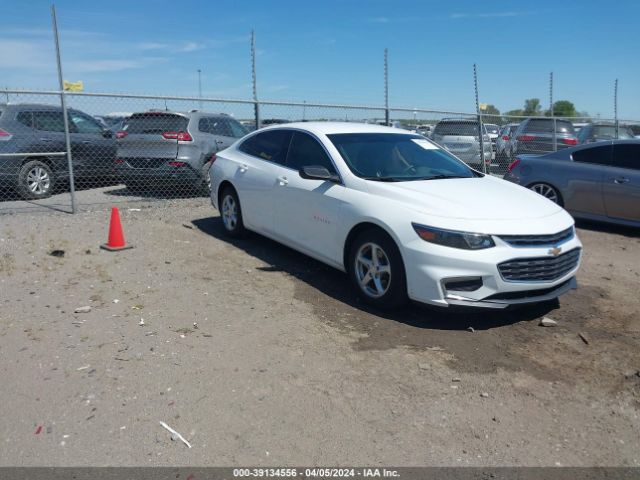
[(50, 121), (600, 155), (237, 130), (203, 125), (626, 156), (271, 145), (220, 126), (306, 151), (84, 123), (25, 118)]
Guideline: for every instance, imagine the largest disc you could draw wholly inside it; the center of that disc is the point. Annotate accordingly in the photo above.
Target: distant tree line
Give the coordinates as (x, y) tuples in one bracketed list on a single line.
[(533, 108)]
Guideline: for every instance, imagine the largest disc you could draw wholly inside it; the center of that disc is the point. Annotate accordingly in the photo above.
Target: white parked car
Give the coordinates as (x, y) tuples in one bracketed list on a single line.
[(405, 218)]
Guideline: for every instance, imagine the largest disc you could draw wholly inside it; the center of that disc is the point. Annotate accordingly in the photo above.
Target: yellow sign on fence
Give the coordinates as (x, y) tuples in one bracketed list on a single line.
[(73, 86)]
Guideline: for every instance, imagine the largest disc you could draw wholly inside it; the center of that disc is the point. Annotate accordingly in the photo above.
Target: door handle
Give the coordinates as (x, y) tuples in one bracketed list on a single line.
[(87, 142), (243, 168), (46, 140), (283, 181), (219, 142), (620, 180)]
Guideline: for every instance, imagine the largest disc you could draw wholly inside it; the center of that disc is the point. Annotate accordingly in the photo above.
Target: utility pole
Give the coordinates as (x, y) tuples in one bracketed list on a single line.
[(255, 81), (200, 89)]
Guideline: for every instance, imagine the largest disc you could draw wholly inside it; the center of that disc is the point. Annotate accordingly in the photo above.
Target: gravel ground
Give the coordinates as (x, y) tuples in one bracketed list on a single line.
[(257, 354)]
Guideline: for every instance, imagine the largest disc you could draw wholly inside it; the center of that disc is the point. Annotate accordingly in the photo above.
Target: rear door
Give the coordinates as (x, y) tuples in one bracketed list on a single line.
[(93, 152), (150, 139), (49, 136), (259, 168), (225, 131), (621, 187)]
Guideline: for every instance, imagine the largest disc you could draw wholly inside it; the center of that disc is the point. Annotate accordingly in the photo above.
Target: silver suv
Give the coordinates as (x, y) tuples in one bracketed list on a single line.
[(160, 148), (461, 137)]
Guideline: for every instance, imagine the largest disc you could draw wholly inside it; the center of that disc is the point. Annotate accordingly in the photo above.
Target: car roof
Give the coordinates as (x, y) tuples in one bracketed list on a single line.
[(328, 128), (31, 106)]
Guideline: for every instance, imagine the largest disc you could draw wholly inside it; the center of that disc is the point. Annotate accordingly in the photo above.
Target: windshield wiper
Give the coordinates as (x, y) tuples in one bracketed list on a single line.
[(440, 177), (385, 179)]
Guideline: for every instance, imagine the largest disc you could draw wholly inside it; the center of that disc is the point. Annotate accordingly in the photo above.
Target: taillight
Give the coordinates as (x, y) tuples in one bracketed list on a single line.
[(180, 136), (213, 158), (513, 165), (177, 164), (569, 141), (121, 134), (526, 138), (118, 161), (4, 135), (506, 138)]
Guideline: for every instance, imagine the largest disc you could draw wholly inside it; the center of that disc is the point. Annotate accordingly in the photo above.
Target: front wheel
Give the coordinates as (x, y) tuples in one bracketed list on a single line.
[(35, 180), (231, 213), (377, 271)]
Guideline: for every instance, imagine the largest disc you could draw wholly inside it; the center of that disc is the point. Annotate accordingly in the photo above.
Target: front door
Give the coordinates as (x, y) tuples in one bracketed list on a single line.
[(621, 189)]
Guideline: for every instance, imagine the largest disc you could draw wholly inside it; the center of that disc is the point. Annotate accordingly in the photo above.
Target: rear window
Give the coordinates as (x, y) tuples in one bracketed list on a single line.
[(465, 129), (156, 123), (494, 129), (545, 125), (609, 132)]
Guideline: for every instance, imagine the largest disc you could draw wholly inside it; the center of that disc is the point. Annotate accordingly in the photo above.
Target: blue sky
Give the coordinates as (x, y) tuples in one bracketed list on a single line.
[(332, 51)]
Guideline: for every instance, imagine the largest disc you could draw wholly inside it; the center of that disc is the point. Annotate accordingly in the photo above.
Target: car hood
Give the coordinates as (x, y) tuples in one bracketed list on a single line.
[(485, 198)]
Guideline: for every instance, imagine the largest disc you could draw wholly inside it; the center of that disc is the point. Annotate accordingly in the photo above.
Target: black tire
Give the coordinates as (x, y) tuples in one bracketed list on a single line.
[(35, 180), (231, 213), (548, 191), (393, 286)]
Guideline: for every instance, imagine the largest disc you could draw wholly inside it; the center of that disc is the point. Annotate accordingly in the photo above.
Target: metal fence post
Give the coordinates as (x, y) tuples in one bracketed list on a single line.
[(387, 120), (63, 103), (480, 129), (615, 107), (256, 104)]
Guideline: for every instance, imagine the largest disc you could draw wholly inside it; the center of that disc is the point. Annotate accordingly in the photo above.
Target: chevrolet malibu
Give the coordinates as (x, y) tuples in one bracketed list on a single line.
[(403, 217)]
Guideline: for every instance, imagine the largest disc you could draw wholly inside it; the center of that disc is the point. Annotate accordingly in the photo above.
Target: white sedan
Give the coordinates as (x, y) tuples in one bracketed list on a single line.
[(403, 217)]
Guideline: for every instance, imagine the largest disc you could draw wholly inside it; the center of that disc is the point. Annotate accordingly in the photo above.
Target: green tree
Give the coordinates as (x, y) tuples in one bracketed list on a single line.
[(564, 108), (532, 107), (491, 110)]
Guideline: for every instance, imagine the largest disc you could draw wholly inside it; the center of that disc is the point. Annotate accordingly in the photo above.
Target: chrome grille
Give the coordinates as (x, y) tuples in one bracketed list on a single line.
[(539, 269), (538, 240)]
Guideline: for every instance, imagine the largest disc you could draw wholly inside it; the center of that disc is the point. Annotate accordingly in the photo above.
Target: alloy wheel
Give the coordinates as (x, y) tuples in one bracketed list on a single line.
[(38, 180), (229, 212), (373, 270), (546, 191)]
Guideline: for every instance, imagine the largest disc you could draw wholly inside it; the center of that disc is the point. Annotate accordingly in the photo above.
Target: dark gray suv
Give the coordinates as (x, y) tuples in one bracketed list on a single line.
[(161, 148), (536, 135), (30, 133)]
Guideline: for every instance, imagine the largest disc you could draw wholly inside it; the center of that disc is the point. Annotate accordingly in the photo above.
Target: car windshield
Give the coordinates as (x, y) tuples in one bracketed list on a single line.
[(396, 157), (462, 129)]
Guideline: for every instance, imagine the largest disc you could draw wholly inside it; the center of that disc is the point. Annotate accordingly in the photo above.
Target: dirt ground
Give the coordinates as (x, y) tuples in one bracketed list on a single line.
[(259, 355)]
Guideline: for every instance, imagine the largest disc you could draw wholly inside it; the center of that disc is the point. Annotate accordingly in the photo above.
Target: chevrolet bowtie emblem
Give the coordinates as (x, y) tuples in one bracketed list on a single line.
[(555, 251)]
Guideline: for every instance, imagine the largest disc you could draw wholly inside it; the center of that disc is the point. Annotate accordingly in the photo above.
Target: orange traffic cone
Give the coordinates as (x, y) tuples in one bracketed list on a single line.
[(116, 235)]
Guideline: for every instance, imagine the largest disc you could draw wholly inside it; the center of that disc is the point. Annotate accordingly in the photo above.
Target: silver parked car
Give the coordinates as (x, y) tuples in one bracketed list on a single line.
[(157, 148), (460, 136), (594, 181)]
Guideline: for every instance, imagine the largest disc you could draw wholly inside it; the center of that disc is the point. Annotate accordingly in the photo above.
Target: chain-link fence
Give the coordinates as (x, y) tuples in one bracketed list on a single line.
[(115, 148)]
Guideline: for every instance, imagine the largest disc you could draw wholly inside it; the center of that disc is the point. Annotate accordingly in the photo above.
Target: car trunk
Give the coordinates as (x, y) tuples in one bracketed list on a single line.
[(150, 139)]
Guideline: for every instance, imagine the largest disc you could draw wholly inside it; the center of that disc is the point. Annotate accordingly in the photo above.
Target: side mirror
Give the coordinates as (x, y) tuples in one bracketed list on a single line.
[(316, 172), (106, 133)]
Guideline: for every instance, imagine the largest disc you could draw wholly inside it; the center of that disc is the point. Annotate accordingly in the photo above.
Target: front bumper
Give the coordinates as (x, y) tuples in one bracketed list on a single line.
[(430, 269)]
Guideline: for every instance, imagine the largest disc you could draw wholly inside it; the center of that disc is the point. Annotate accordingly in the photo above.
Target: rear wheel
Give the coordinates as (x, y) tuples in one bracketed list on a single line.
[(377, 271), (35, 180), (231, 213), (547, 191)]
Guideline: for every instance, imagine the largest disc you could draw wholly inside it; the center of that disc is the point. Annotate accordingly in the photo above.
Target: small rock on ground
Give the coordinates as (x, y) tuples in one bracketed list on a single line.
[(85, 309), (548, 322)]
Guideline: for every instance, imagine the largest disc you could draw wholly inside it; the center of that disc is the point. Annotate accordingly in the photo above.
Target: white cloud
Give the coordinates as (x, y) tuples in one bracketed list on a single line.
[(24, 54), (379, 20), (488, 15)]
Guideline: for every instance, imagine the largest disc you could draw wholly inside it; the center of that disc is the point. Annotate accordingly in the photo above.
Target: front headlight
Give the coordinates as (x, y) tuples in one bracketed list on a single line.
[(454, 239)]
